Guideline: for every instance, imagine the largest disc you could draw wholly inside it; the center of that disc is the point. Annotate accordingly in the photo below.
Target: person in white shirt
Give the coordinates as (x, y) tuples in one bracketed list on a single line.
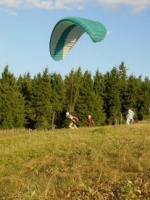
[(130, 117), (74, 120)]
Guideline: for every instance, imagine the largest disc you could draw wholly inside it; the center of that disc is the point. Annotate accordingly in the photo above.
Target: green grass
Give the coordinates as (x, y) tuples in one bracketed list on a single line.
[(111, 162)]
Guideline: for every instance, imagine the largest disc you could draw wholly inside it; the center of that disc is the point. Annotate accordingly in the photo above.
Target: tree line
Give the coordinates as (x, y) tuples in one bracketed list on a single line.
[(41, 102)]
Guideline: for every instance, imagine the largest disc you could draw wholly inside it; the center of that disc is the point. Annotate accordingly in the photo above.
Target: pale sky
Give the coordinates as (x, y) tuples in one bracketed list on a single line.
[(26, 27)]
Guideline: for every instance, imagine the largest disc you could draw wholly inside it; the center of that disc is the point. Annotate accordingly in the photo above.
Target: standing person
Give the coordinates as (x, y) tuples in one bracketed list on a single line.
[(74, 120), (90, 121), (130, 115)]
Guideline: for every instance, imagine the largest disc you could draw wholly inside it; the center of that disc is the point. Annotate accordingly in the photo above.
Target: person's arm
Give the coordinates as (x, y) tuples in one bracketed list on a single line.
[(75, 118), (93, 122)]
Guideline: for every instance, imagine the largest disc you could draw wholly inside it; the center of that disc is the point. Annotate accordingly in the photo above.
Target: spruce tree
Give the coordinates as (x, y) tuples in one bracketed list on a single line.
[(99, 84), (143, 98), (25, 86), (146, 88), (112, 103), (123, 90), (88, 102), (41, 96), (132, 91), (72, 84), (11, 102), (58, 100)]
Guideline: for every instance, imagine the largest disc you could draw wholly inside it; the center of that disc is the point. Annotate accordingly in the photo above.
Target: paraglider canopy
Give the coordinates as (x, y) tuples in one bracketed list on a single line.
[(67, 32)]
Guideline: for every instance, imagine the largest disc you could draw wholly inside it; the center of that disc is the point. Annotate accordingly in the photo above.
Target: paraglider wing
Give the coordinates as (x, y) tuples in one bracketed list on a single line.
[(67, 32)]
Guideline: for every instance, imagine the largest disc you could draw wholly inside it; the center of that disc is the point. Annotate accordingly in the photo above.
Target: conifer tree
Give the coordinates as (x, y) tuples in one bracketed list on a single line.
[(88, 102), (112, 102), (11, 102), (143, 98), (72, 84), (123, 90), (139, 94), (99, 84), (146, 91), (58, 100), (25, 86), (41, 106), (132, 91)]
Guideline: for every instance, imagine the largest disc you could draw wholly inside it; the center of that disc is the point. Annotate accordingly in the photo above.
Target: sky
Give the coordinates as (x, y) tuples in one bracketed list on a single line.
[(26, 27)]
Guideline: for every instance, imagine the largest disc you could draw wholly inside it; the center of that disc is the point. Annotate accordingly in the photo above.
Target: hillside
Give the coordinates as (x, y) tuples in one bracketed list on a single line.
[(109, 162)]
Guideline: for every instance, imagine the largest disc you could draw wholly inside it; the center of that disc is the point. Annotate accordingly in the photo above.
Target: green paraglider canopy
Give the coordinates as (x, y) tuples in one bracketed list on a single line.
[(67, 32)]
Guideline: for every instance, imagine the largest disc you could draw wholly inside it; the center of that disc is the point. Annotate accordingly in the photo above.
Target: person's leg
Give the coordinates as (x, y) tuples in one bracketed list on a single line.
[(131, 121), (128, 121), (71, 125), (75, 126)]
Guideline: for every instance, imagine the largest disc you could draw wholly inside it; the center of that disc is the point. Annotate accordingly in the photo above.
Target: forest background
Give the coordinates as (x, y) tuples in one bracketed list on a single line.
[(41, 102)]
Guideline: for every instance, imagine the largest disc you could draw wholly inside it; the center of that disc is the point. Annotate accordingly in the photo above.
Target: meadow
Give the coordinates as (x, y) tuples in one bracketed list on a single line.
[(99, 163)]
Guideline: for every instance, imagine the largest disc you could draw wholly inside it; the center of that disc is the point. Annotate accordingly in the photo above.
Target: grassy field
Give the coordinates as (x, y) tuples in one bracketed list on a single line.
[(110, 162)]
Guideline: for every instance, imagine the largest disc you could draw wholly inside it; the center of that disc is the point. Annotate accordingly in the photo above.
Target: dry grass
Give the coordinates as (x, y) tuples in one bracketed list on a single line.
[(110, 162)]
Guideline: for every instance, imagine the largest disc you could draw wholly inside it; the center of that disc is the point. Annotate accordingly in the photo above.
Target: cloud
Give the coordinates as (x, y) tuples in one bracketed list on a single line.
[(11, 12), (108, 32), (135, 5), (55, 4), (10, 3)]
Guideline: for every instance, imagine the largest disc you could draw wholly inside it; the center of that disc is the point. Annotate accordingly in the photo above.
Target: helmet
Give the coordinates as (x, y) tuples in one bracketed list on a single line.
[(67, 113), (89, 116)]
